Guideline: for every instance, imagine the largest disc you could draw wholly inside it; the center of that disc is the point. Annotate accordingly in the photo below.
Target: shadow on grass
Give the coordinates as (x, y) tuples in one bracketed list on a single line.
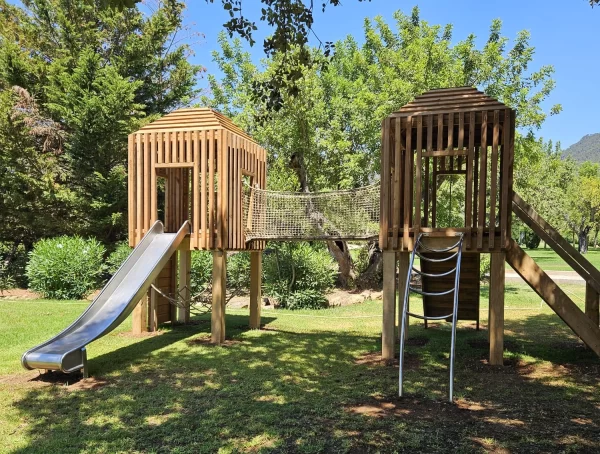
[(285, 391)]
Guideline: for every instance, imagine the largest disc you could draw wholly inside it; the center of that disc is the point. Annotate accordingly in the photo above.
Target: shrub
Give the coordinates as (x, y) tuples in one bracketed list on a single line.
[(117, 257), (6, 280), (484, 267), (292, 267), (200, 272), (532, 241), (65, 267), (302, 299), (238, 272)]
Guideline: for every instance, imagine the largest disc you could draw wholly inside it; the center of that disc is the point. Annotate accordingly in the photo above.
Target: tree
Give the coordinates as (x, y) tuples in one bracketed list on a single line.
[(331, 129), (583, 203), (99, 74)]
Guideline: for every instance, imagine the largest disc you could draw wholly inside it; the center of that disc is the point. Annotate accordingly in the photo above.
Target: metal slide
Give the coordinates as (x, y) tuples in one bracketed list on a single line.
[(66, 351)]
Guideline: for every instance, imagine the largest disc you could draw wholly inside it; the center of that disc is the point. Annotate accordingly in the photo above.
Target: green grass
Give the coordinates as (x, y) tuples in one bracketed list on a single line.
[(549, 260), (309, 382)]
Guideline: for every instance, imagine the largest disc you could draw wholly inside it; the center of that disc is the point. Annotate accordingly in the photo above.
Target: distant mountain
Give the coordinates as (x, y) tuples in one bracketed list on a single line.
[(587, 149)]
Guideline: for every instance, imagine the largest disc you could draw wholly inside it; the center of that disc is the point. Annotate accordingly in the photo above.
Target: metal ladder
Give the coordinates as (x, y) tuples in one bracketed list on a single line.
[(405, 313)]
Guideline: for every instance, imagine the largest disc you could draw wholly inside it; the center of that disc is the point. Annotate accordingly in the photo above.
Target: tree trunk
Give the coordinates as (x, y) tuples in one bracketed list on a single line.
[(372, 277), (338, 249), (583, 240), (596, 237)]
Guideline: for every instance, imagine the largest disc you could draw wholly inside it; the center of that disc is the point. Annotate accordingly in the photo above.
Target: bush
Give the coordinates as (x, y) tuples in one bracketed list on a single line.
[(238, 272), (65, 267), (484, 267), (293, 267), (302, 299), (532, 241), (117, 257), (6, 280)]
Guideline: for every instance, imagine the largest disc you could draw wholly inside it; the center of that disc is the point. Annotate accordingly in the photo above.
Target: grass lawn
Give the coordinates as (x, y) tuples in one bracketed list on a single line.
[(309, 382), (549, 260)]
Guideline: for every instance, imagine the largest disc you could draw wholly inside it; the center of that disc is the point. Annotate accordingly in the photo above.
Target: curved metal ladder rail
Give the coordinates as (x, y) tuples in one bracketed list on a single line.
[(409, 289)]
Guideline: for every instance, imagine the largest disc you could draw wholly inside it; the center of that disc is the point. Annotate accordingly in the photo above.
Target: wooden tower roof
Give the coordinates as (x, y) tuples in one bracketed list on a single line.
[(193, 119), (462, 99)]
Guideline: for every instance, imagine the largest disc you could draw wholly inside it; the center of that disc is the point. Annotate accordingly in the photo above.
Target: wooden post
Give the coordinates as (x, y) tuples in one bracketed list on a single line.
[(496, 320), (389, 305), (592, 306), (140, 316), (403, 264), (217, 320), (255, 288), (185, 262), (153, 310)]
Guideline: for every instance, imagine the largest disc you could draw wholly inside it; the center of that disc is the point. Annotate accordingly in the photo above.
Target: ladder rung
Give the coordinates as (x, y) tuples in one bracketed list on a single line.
[(429, 259), (434, 275), (421, 292), (447, 249), (423, 317)]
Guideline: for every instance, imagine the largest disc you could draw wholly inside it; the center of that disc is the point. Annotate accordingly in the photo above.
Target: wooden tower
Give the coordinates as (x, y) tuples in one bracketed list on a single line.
[(458, 133), (190, 165)]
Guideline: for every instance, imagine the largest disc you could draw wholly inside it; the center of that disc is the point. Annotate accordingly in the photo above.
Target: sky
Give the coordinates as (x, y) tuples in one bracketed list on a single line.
[(565, 34)]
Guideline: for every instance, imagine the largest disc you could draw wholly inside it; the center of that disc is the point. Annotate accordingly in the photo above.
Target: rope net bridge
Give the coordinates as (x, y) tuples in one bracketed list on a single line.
[(336, 215)]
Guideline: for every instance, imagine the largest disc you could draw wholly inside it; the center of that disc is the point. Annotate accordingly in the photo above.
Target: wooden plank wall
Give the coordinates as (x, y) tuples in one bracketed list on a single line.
[(419, 150), (203, 172)]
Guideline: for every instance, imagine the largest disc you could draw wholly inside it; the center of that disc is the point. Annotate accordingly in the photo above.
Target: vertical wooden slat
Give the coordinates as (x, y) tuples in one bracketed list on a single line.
[(153, 190), (440, 140), (418, 188), (174, 137), (147, 166), (461, 138), (236, 191), (220, 159), (469, 189), (451, 139), (196, 189), (427, 161), (408, 173), (140, 188), (181, 147), (494, 177), (482, 180), (505, 203), (397, 181), (230, 210), (211, 188), (131, 188), (203, 195), (385, 181)]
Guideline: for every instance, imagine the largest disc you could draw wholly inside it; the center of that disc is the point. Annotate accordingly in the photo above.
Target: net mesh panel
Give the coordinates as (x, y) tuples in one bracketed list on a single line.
[(351, 214)]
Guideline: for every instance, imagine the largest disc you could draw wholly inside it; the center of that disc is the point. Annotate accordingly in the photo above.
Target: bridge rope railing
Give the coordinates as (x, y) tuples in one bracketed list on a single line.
[(351, 214)]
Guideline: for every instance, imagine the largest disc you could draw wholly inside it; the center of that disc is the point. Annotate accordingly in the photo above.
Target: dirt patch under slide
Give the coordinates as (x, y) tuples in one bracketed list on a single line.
[(37, 379)]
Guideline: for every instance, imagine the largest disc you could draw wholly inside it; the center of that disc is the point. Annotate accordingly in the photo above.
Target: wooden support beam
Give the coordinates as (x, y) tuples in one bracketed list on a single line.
[(553, 295), (217, 319), (153, 311), (403, 264), (185, 263), (139, 318), (496, 317), (389, 305), (592, 306), (255, 288)]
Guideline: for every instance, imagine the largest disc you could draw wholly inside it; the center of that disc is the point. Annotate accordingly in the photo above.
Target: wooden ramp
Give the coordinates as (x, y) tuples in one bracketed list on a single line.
[(585, 325)]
